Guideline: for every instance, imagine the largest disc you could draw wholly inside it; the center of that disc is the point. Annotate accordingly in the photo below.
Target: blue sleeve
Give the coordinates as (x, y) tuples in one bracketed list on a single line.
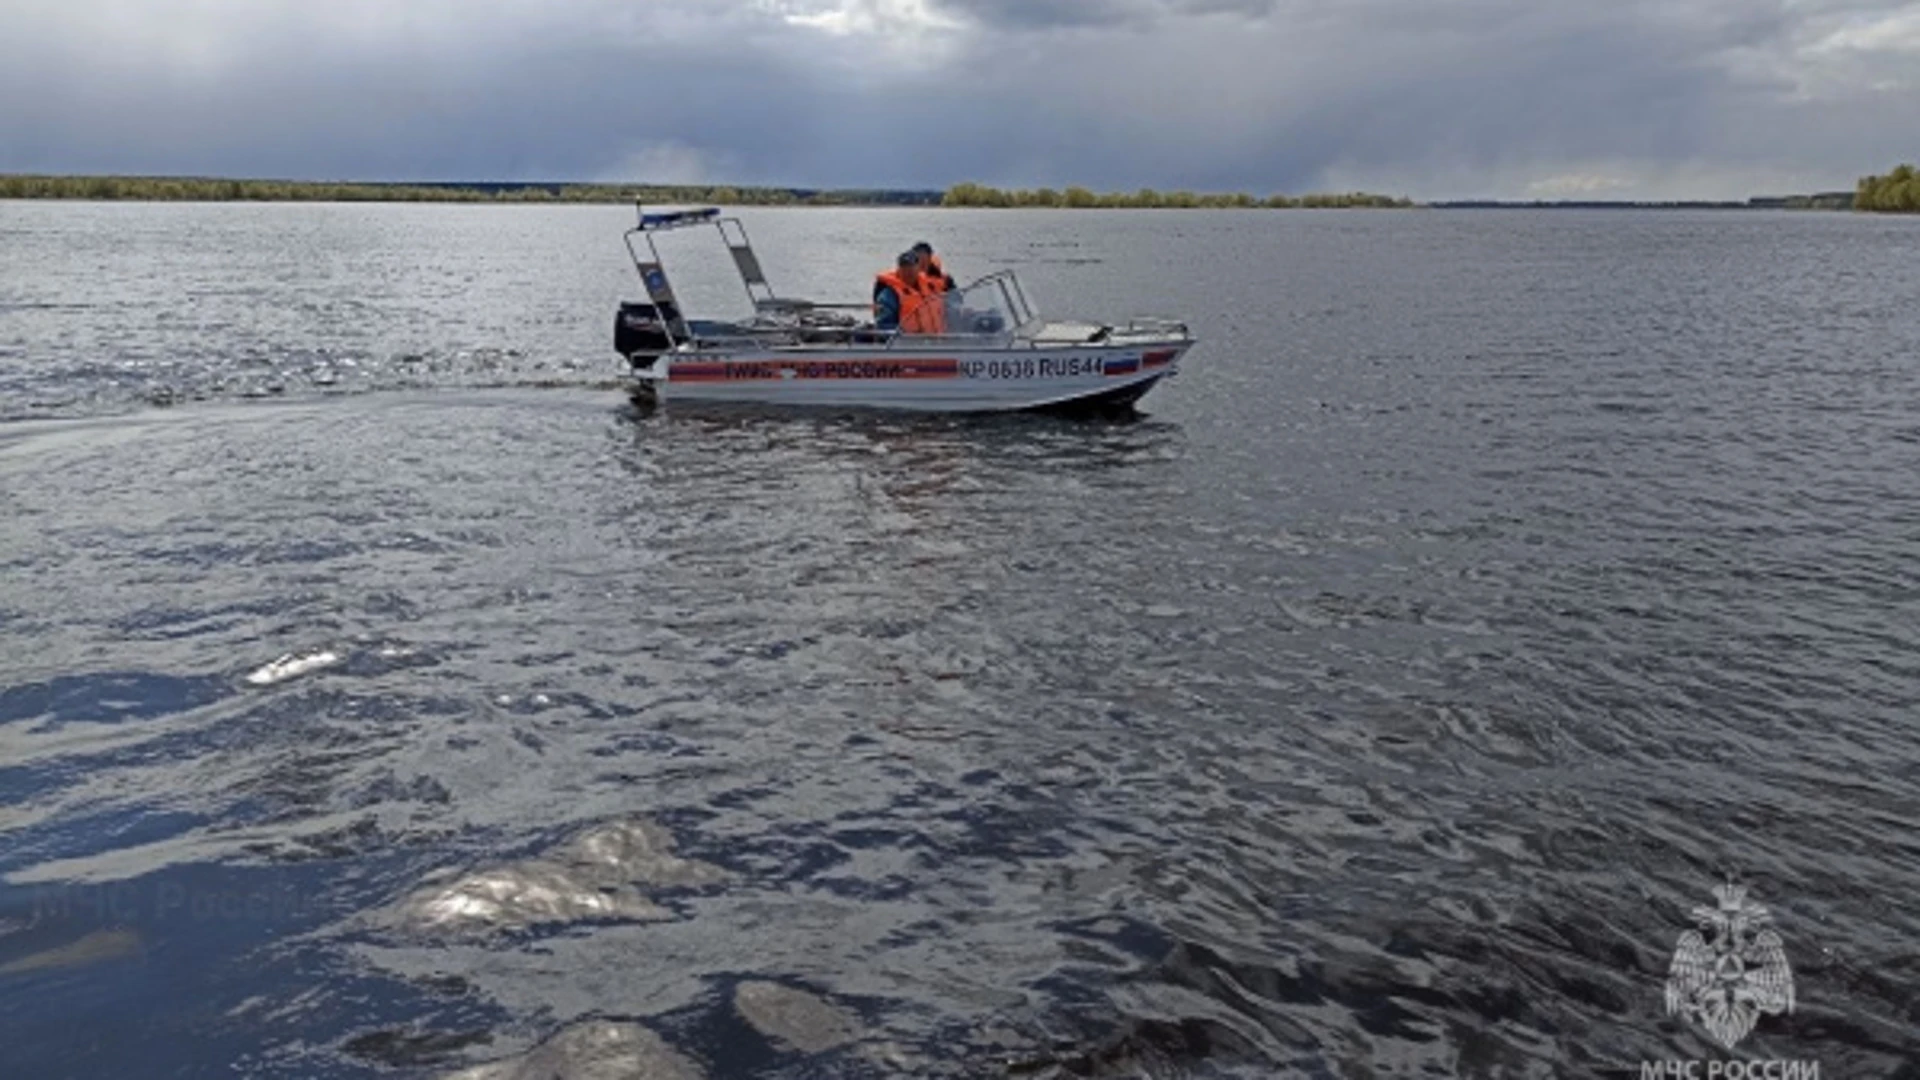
[(886, 304)]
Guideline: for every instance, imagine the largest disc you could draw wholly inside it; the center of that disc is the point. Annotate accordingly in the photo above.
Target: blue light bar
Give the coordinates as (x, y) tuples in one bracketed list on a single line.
[(676, 218)]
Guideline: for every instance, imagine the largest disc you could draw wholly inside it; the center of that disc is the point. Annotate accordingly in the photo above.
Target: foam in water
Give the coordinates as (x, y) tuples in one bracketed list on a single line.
[(602, 874), (596, 1048)]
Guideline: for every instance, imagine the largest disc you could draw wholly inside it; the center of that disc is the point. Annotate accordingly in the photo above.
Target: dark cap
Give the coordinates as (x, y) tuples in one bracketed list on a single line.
[(923, 246), (908, 258)]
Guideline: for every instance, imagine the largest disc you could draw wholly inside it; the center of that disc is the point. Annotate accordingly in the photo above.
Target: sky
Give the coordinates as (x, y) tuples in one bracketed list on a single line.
[(1433, 99)]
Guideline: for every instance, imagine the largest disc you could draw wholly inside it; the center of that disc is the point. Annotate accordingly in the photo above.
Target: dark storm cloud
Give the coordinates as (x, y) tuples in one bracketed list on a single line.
[(1490, 97), (563, 107), (1474, 96)]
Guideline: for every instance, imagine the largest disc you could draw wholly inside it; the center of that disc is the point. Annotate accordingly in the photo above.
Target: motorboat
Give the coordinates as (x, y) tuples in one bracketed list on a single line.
[(997, 353)]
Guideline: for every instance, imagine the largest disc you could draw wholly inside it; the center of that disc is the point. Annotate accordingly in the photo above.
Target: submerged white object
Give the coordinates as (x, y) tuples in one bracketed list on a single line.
[(291, 666)]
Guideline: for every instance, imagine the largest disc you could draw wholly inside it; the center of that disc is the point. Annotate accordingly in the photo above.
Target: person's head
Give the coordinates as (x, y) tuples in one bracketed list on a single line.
[(925, 251), (909, 263)]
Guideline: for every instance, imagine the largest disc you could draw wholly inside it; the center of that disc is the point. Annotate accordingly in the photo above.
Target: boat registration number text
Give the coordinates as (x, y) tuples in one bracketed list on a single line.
[(1046, 367)]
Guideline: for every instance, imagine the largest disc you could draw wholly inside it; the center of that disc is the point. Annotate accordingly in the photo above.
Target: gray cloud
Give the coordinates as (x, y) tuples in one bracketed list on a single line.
[(1090, 13), (1052, 13), (1503, 97)]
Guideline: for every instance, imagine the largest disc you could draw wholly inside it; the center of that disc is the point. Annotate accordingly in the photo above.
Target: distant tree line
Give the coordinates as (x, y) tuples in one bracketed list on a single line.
[(1825, 200), (1898, 192), (214, 190), (197, 189), (971, 194)]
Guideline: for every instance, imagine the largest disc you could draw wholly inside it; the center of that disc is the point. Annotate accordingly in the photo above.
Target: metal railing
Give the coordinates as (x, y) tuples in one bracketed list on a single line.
[(1018, 321)]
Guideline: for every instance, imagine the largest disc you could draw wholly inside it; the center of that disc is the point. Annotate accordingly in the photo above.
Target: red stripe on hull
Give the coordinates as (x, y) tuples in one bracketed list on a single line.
[(777, 370)]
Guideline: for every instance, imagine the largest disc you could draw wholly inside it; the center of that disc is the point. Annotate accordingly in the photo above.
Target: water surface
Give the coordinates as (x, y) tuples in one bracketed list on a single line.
[(382, 695)]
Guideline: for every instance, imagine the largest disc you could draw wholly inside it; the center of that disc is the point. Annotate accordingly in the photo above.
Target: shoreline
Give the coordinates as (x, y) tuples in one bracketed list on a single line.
[(49, 187), (58, 188)]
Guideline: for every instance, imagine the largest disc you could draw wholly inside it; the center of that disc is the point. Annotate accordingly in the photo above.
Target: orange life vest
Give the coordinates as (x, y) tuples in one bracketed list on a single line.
[(921, 309)]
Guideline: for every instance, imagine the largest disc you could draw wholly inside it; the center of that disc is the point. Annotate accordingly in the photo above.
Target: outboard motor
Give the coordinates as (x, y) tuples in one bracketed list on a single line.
[(638, 334)]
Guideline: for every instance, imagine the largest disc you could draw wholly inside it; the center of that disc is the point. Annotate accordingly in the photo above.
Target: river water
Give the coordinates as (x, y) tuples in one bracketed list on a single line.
[(381, 694)]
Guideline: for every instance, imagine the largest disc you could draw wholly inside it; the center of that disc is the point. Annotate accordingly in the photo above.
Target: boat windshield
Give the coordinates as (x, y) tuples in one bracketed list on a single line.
[(993, 305)]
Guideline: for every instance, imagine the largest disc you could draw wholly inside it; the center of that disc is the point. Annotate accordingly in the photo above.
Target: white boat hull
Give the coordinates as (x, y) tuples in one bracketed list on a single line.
[(925, 379), (995, 353)]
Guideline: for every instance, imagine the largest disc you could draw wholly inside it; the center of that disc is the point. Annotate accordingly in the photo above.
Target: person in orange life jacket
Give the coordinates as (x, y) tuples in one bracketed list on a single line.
[(902, 301), (931, 271), (893, 289)]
